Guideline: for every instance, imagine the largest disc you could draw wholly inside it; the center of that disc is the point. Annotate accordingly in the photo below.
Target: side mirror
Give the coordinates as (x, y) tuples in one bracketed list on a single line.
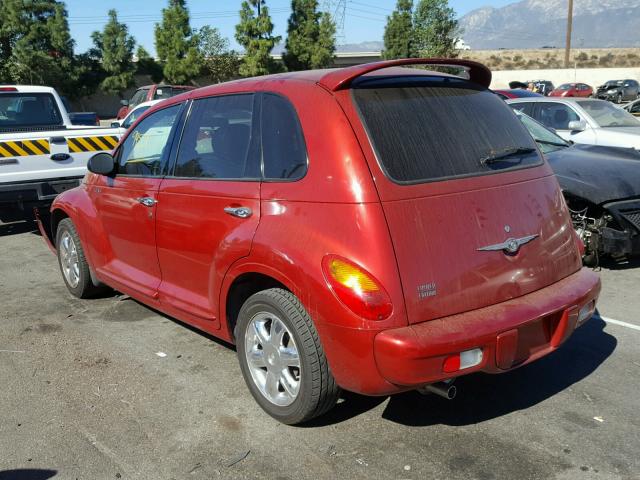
[(115, 125), (124, 102), (577, 126), (102, 163)]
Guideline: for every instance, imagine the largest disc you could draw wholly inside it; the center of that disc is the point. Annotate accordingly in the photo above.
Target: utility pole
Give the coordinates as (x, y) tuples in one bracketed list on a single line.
[(567, 50)]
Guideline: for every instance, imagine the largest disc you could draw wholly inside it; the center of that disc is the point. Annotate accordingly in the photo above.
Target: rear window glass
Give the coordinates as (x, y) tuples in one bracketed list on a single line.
[(168, 92), (424, 129), (28, 109)]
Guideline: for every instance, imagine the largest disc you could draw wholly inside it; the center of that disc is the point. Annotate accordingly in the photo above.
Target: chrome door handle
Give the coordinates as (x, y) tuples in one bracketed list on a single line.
[(147, 201), (241, 212)]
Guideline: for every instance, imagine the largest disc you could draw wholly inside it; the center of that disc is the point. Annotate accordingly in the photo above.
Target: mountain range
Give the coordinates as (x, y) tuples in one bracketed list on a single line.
[(540, 23)]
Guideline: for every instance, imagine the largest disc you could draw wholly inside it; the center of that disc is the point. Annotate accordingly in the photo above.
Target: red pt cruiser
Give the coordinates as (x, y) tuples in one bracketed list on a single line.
[(374, 228)]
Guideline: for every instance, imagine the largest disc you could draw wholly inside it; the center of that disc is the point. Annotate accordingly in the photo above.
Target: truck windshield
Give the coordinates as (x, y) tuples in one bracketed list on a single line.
[(430, 128), (18, 109)]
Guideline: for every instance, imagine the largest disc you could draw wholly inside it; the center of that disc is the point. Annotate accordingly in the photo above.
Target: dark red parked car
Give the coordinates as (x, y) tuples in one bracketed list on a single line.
[(572, 90), (150, 92), (371, 228)]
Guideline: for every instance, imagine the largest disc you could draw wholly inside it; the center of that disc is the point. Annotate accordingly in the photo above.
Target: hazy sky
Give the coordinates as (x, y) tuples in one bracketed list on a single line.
[(364, 19)]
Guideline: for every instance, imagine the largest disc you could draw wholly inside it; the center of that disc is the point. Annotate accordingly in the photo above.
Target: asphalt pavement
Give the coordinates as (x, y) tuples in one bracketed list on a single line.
[(110, 389)]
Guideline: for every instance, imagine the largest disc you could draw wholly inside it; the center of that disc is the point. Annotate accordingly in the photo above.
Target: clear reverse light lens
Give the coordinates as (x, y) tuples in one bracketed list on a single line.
[(585, 312), (470, 358)]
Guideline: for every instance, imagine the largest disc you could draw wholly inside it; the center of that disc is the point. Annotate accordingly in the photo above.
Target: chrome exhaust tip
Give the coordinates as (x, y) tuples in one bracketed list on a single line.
[(444, 389)]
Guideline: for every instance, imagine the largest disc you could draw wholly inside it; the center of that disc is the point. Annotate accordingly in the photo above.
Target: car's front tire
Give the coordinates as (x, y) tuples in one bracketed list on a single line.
[(72, 261), (281, 358)]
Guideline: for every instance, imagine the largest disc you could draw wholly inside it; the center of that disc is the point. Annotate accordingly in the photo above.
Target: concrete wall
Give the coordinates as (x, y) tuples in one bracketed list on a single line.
[(590, 76)]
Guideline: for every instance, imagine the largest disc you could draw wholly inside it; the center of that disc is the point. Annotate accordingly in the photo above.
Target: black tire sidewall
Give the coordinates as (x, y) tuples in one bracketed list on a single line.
[(295, 412)]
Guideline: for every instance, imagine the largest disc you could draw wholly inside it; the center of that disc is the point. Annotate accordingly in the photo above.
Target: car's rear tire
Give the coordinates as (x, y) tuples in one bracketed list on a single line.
[(281, 358), (73, 264)]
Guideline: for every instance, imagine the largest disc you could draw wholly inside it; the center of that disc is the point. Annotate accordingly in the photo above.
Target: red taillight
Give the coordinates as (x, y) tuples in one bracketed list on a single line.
[(97, 121), (8, 89), (357, 288)]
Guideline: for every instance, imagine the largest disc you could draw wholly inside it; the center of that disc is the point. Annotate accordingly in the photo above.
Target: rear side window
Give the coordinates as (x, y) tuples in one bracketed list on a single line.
[(429, 128), (283, 148), (217, 139)]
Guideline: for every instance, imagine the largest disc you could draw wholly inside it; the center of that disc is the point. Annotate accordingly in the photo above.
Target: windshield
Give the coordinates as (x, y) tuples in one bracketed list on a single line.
[(613, 83), (607, 115), (546, 139), (134, 115), (28, 109), (428, 128), (565, 86)]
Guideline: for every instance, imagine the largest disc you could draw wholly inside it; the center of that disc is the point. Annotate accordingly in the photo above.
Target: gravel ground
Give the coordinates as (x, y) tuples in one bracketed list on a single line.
[(85, 394)]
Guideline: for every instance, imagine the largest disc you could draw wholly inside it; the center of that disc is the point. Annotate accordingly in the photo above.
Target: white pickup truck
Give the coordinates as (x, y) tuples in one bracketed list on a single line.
[(41, 153)]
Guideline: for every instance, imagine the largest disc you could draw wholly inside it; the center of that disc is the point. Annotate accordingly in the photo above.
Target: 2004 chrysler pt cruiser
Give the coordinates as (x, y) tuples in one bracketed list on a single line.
[(377, 228)]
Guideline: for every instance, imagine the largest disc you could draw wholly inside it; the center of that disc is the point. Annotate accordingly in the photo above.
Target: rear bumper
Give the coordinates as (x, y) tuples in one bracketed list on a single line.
[(510, 334), (37, 191)]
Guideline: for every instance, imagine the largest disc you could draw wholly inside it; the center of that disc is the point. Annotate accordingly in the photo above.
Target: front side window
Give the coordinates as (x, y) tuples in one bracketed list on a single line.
[(556, 115), (146, 147), (283, 149), (428, 128), (217, 138), (28, 109), (607, 115)]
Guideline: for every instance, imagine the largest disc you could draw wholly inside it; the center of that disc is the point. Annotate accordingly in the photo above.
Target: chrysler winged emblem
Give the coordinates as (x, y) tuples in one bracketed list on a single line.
[(510, 246)]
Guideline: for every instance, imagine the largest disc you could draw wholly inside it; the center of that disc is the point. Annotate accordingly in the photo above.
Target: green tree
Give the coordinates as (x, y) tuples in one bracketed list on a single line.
[(147, 65), (116, 53), (434, 29), (221, 63), (310, 37), (255, 34), (35, 44), (177, 44), (398, 32)]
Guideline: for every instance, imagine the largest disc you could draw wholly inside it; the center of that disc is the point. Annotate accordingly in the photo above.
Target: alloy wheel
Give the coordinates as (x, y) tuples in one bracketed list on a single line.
[(273, 359), (69, 260)]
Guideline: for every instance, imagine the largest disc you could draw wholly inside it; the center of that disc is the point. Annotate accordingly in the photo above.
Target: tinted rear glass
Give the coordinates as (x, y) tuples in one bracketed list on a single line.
[(28, 109), (429, 128)]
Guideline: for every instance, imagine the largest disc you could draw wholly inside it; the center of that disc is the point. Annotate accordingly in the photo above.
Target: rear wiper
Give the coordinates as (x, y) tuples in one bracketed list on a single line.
[(555, 144), (509, 152)]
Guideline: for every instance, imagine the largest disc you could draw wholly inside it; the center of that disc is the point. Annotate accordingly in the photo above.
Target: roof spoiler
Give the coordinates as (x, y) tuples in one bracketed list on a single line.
[(341, 78)]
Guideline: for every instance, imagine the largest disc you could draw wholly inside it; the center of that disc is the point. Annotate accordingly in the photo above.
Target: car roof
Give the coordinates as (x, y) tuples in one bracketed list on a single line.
[(147, 103), (333, 79), (30, 88)]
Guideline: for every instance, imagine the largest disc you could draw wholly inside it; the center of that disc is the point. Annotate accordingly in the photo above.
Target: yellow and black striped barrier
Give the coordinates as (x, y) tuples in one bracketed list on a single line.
[(24, 148), (91, 144)]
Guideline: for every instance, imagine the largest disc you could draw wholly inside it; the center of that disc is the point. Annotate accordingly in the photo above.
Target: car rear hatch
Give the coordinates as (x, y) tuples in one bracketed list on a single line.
[(475, 215)]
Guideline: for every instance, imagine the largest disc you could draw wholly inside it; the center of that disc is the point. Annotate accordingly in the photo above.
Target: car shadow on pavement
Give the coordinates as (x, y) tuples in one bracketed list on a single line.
[(27, 474), (483, 397), (610, 264), (15, 228)]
